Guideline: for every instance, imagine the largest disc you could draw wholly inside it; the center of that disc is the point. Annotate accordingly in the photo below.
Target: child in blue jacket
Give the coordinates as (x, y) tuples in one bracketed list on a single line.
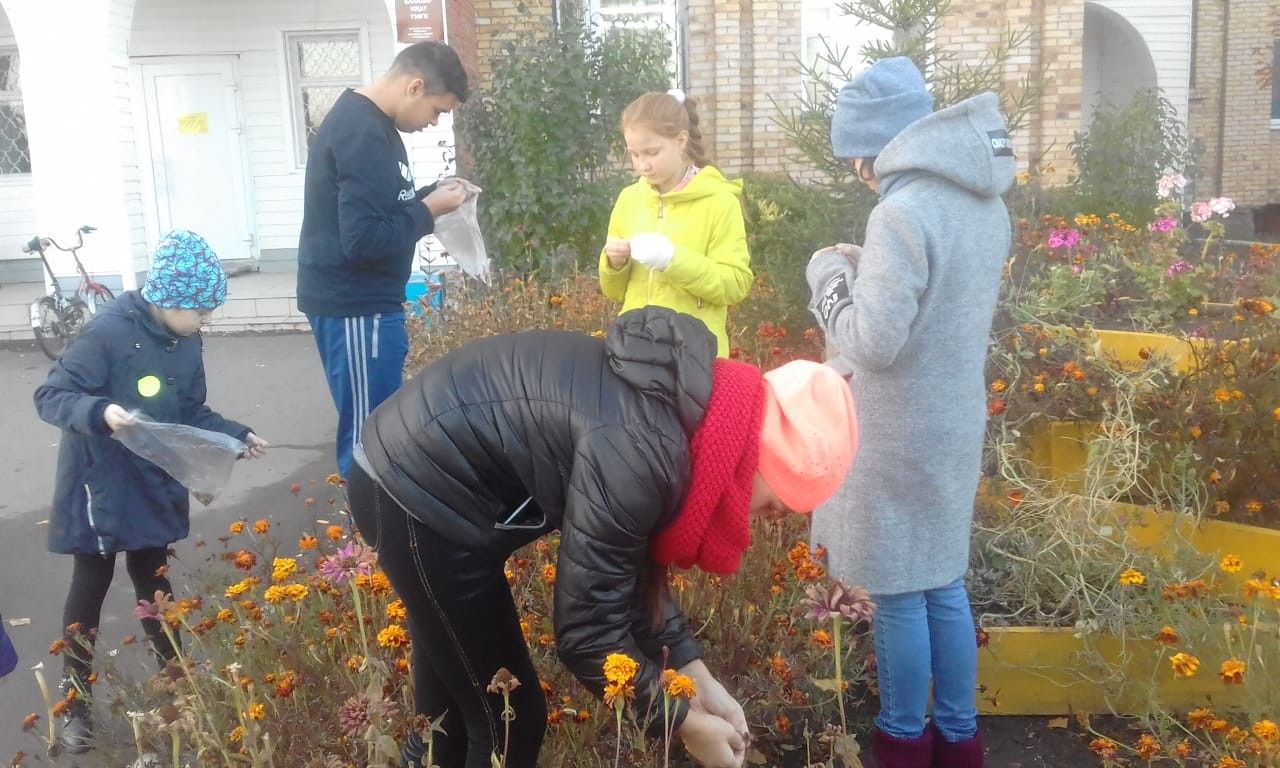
[(143, 352)]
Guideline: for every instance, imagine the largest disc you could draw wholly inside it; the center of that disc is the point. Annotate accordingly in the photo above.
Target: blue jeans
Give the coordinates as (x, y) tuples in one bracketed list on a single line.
[(921, 636), (363, 359)]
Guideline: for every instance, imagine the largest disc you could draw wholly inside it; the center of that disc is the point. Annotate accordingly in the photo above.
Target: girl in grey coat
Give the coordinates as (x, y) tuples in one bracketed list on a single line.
[(909, 315)]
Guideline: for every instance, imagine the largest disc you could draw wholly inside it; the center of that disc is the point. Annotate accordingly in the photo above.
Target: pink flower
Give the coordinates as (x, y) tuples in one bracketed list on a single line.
[(1201, 212), (1170, 182), (852, 603), (1164, 224), (1178, 267), (347, 563), (1064, 238), (1223, 206)]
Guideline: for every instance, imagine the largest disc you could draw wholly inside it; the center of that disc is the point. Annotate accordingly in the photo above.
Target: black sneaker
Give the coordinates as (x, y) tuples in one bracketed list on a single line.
[(76, 737)]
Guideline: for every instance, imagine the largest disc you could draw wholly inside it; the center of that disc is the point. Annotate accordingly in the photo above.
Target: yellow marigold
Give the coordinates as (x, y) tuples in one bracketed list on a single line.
[(1184, 664), (679, 582), (355, 662), (256, 711), (821, 639), (1232, 671), (226, 616), (1227, 761), (615, 693), (1103, 747), (1266, 730), (393, 636), (277, 593), (1195, 432), (379, 584), (396, 612), (334, 479), (681, 687), (1133, 578), (1148, 746), (1253, 507), (1221, 507), (236, 590), (1167, 636), (1038, 388), (999, 385), (1237, 736), (333, 532), (1256, 588), (307, 542), (282, 568), (262, 526), (1200, 718), (236, 734), (236, 528), (1231, 564), (1182, 750), (620, 668)]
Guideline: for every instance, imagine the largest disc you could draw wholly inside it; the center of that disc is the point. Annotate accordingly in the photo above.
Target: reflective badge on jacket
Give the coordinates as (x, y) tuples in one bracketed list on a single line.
[(149, 386)]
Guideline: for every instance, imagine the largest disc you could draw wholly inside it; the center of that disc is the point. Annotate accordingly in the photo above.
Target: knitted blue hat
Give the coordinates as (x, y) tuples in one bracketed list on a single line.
[(876, 105), (185, 274)]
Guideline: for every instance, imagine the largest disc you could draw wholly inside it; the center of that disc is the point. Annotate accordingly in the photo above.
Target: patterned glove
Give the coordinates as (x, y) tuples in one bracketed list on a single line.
[(830, 274), (653, 250)]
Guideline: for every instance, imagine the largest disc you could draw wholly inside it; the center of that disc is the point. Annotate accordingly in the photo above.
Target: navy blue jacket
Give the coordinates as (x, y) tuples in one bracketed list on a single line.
[(361, 217), (107, 499)]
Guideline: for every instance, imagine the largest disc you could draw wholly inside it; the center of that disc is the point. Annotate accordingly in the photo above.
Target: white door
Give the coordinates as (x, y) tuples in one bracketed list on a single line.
[(193, 138)]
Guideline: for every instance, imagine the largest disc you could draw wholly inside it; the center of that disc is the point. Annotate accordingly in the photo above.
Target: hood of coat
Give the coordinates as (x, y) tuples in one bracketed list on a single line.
[(666, 355)]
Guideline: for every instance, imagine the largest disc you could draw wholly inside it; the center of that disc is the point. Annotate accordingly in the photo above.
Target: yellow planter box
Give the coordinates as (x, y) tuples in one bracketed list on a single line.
[(1131, 349), (1042, 671), (1059, 450), (1034, 671)]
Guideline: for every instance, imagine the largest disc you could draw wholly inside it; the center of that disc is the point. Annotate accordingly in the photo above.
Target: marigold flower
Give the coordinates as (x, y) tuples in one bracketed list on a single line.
[(1148, 746), (226, 616), (1231, 564), (999, 385), (30, 721), (1232, 671), (396, 612), (1237, 736), (1167, 636), (285, 685), (261, 527), (783, 722), (307, 542), (393, 636), (282, 568), (679, 582), (256, 711), (1182, 750), (402, 665), (1256, 588), (1133, 578), (1103, 747), (780, 667), (278, 593), (334, 479), (1253, 507), (236, 528), (1221, 507), (1184, 664), (615, 693), (239, 588), (1200, 718), (549, 574), (620, 668), (236, 734), (57, 647), (334, 532), (821, 639), (681, 687), (1227, 761), (1267, 731)]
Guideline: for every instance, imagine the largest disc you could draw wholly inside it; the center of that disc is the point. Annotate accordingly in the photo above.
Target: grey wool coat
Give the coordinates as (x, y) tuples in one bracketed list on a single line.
[(912, 323)]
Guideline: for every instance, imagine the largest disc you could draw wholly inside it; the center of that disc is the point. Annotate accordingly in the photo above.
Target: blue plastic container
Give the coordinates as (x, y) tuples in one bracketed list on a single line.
[(425, 287)]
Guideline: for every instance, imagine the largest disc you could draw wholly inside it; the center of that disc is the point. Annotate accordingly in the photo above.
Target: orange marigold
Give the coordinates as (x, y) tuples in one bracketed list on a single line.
[(821, 639), (1184, 664), (393, 636), (1232, 671), (307, 542), (1103, 747), (1167, 636), (334, 532), (236, 528), (262, 526), (1148, 746)]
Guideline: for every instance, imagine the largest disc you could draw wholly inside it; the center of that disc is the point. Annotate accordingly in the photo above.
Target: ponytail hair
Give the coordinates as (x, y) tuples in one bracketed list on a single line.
[(667, 114)]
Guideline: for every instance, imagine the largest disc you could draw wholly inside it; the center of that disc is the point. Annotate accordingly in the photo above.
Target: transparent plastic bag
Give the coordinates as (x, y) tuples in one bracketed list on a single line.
[(199, 459), (459, 232)]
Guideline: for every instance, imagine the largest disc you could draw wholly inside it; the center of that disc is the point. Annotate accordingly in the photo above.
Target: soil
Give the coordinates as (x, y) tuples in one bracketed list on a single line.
[(1030, 742)]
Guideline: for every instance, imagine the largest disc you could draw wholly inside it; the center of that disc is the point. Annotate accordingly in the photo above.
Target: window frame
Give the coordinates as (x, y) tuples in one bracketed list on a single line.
[(294, 82), (9, 98), (1275, 84), (632, 14)]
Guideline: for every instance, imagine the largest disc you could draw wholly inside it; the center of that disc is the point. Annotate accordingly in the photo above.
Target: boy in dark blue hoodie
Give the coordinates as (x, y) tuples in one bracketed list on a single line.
[(362, 219)]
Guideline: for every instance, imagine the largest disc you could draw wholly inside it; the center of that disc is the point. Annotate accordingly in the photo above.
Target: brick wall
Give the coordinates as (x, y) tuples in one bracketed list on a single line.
[(1230, 110), (1053, 48), (499, 22), (461, 22)]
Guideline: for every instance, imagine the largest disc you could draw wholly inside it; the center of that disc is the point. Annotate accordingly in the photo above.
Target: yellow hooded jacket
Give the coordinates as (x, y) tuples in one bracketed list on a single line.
[(711, 269)]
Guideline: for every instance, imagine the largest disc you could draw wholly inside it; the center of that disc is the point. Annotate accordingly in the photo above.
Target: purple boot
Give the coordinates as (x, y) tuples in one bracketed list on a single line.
[(957, 754), (892, 752)]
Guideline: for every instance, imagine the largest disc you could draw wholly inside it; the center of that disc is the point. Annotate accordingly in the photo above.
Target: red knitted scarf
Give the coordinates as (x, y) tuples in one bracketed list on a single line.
[(711, 529)]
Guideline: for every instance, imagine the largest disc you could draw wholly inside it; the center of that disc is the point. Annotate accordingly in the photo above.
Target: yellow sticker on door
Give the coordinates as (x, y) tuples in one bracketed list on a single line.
[(193, 123), (149, 386)]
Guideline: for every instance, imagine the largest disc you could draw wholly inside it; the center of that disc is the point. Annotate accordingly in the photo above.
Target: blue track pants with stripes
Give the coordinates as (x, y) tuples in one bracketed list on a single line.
[(363, 359)]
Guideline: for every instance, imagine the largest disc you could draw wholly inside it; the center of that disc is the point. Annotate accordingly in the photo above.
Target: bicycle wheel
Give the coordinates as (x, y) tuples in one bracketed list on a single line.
[(57, 327), (96, 298)]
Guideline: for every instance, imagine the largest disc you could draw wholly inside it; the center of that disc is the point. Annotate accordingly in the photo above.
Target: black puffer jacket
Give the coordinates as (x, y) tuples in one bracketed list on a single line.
[(596, 433)]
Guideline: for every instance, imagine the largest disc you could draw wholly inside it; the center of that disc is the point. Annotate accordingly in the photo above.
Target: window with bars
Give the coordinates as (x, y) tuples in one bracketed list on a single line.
[(652, 15), (321, 66), (15, 154)]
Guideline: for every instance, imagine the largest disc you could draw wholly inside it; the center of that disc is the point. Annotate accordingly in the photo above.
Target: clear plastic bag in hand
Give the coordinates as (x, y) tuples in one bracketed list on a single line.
[(197, 458), (459, 233)]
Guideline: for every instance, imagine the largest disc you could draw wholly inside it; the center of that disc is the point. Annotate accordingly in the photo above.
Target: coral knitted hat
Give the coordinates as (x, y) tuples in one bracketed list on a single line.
[(809, 434)]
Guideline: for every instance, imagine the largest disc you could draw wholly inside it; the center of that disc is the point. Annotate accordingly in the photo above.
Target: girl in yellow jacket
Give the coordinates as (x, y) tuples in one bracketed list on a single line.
[(676, 236)]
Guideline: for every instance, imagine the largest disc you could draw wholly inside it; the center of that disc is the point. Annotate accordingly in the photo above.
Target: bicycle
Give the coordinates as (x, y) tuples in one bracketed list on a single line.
[(56, 319)]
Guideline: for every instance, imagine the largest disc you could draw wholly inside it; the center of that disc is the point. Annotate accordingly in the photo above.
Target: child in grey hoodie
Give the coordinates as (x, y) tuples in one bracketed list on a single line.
[(909, 315)]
